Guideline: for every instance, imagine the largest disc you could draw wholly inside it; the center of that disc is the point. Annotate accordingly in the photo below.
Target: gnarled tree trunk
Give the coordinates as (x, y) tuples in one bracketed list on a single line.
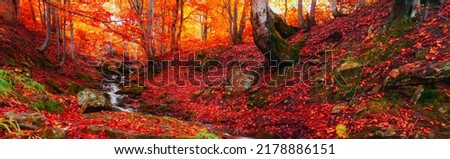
[(266, 36)]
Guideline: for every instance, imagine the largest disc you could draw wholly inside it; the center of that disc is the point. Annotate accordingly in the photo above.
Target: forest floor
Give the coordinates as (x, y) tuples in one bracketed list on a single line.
[(356, 79)]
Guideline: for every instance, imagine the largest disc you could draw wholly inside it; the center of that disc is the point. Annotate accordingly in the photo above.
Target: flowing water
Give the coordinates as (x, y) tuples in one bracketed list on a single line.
[(116, 99)]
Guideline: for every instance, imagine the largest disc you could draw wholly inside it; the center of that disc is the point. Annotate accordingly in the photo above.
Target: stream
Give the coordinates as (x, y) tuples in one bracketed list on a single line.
[(112, 89)]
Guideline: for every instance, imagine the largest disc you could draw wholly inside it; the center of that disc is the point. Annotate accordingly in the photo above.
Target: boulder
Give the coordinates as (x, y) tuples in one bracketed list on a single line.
[(240, 82), (54, 133), (91, 100), (120, 134), (418, 73), (27, 121)]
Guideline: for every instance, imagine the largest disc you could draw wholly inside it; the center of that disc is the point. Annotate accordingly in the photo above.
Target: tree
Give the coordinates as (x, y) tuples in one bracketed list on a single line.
[(311, 17), (48, 22), (301, 21), (147, 29), (266, 35), (16, 4), (334, 9), (236, 29), (406, 9), (362, 2)]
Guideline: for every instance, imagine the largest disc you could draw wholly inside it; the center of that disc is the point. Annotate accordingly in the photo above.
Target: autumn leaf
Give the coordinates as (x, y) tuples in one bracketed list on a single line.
[(394, 73)]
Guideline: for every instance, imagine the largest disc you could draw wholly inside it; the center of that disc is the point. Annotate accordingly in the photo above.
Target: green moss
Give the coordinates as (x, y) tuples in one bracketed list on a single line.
[(400, 28), (204, 134), (86, 77), (428, 96), (5, 88), (55, 86), (9, 81), (47, 104)]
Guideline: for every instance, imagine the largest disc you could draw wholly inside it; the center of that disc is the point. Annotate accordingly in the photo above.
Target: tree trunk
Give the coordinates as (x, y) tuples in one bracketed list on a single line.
[(416, 8), (173, 31), (16, 4), (180, 26), (402, 9), (204, 28), (283, 29), (46, 44), (285, 10), (362, 2), (266, 38), (312, 15), (58, 36), (33, 14), (163, 29), (301, 22), (72, 35), (151, 7), (242, 25), (235, 22), (334, 10)]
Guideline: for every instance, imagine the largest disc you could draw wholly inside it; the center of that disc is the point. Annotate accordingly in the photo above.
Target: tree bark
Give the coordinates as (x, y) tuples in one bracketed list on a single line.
[(334, 10), (173, 31), (72, 35), (46, 44), (33, 14), (151, 7), (402, 9), (240, 33), (266, 38), (301, 22), (312, 15), (180, 26), (280, 25)]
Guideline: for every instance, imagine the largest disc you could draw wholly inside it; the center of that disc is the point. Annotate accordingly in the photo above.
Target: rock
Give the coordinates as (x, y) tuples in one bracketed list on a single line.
[(337, 109), (375, 90), (54, 133), (240, 82), (91, 100), (119, 134), (389, 133), (417, 93), (132, 90), (442, 110), (28, 121), (419, 73), (73, 89), (197, 94)]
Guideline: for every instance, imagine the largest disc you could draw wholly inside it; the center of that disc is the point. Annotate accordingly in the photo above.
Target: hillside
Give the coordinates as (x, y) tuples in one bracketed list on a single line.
[(356, 79)]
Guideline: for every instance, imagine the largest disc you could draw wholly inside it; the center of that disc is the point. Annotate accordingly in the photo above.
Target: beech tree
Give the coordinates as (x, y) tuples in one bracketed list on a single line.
[(236, 27), (405, 9), (301, 21), (269, 31), (48, 25)]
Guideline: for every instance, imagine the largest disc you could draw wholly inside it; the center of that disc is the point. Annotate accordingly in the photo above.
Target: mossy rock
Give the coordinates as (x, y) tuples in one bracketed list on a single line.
[(47, 104), (86, 77), (54, 133), (91, 100), (29, 121), (119, 134), (131, 90), (73, 89)]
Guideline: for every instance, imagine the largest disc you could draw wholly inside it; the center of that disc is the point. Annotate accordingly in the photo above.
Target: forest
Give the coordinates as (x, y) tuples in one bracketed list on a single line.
[(224, 69)]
